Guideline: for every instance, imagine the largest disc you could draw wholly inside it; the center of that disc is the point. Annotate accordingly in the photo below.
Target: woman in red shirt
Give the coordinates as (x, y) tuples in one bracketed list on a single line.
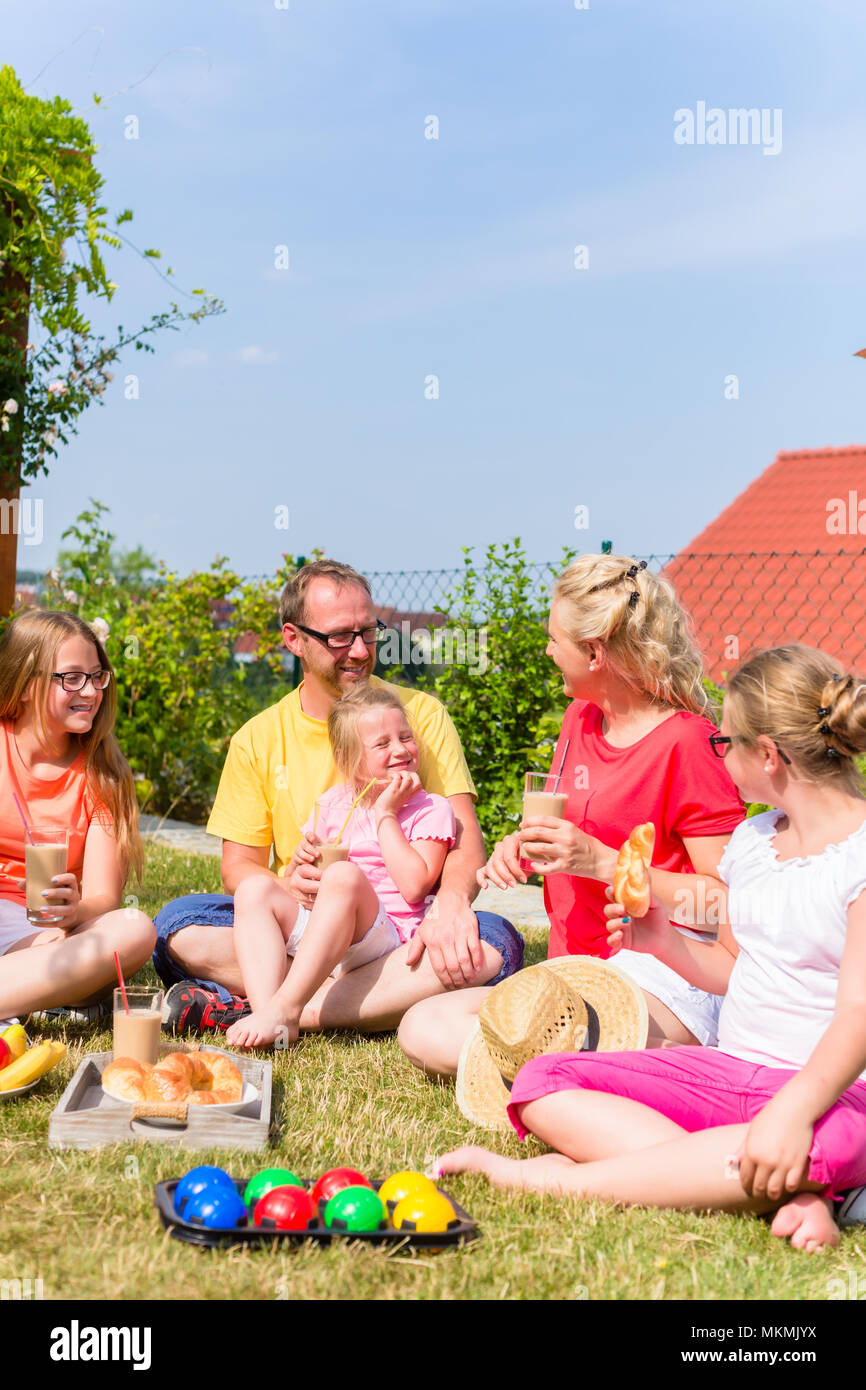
[(633, 748), (60, 764)]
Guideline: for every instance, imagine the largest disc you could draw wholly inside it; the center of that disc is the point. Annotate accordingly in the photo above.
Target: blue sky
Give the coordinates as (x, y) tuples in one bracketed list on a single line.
[(410, 257)]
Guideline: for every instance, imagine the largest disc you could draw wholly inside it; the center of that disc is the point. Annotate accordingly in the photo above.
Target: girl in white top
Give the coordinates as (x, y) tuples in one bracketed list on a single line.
[(775, 1119)]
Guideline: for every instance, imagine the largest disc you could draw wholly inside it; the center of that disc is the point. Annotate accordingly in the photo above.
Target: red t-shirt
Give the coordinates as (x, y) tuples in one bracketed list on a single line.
[(670, 777)]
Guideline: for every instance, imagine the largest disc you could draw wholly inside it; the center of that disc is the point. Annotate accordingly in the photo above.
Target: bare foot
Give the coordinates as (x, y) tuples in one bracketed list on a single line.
[(808, 1220), (262, 1028), (503, 1172)]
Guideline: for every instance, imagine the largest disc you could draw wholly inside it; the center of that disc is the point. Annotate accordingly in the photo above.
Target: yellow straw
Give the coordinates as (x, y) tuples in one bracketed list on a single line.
[(352, 807), (315, 816)]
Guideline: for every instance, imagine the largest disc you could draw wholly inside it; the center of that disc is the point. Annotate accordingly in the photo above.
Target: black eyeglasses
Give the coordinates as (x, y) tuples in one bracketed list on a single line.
[(77, 680), (720, 743), (339, 641)]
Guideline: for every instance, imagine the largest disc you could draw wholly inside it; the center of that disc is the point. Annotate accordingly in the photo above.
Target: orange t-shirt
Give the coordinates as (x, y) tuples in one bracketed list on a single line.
[(54, 801)]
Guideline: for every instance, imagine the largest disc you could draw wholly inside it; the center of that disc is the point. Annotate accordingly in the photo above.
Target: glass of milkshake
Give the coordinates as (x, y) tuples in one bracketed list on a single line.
[(45, 854), (136, 1033), (331, 854), (541, 797)]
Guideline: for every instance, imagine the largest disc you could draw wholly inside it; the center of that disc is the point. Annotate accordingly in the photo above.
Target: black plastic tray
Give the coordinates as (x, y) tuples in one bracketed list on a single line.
[(163, 1193)]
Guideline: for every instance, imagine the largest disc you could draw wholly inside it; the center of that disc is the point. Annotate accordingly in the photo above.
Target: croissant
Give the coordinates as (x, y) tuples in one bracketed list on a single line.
[(631, 880), (181, 1076)]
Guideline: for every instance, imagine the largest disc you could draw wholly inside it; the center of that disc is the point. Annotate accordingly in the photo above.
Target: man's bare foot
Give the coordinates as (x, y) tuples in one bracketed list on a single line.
[(262, 1028), (808, 1220)]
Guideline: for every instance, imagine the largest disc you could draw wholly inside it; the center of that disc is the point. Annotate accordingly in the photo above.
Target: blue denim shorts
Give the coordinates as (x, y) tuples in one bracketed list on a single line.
[(218, 910)]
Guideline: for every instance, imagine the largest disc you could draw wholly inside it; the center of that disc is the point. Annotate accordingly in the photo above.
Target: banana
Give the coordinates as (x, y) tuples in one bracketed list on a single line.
[(15, 1039), (35, 1062)]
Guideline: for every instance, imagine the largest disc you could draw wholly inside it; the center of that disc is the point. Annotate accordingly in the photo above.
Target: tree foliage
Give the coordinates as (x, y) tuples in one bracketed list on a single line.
[(509, 714), (170, 640)]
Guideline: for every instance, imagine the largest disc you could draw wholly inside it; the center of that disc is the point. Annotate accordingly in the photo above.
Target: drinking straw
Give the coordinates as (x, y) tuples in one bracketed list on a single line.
[(352, 807), (23, 818), (122, 985), (561, 765), (315, 816)]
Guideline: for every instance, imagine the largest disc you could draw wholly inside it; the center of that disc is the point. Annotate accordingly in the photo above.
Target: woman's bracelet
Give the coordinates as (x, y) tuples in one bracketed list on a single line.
[(386, 815)]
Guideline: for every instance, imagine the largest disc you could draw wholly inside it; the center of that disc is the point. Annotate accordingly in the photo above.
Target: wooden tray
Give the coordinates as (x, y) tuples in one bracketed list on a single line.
[(86, 1118)]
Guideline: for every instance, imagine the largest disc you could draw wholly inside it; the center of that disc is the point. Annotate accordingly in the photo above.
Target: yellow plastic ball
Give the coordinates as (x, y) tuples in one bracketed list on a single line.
[(424, 1211), (405, 1184)]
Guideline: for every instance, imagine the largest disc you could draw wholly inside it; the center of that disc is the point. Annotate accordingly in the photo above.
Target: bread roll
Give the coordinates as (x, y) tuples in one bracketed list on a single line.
[(631, 880)]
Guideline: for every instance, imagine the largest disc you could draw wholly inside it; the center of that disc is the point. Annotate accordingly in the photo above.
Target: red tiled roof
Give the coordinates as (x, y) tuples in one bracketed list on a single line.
[(393, 617), (786, 561), (786, 508)]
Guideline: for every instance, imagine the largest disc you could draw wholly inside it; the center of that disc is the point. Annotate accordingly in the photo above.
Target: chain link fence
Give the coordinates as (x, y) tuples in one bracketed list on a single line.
[(736, 602)]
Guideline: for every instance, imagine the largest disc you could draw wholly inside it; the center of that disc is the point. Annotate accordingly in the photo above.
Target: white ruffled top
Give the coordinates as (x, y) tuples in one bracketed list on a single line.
[(789, 918)]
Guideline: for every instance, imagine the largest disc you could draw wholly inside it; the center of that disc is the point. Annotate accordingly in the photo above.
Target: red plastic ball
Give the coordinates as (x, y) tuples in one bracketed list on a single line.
[(335, 1180), (285, 1209)]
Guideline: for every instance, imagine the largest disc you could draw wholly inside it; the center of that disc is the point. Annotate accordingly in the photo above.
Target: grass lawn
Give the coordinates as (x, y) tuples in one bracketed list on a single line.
[(84, 1221)]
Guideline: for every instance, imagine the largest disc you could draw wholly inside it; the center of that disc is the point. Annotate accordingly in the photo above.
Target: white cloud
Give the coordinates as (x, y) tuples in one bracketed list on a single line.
[(255, 356)]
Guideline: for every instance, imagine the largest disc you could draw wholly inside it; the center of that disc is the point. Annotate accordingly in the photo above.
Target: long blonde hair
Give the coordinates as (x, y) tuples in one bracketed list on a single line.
[(346, 745), (28, 653), (809, 705), (636, 614)]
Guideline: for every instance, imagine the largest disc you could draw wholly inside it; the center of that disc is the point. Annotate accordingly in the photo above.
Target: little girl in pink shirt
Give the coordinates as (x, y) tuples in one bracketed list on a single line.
[(397, 839)]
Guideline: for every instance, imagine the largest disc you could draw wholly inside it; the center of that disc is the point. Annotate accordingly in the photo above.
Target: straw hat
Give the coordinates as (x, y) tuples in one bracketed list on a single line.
[(568, 1004)]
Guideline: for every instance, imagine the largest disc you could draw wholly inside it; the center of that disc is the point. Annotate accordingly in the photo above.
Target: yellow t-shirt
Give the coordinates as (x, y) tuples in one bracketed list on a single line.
[(280, 762)]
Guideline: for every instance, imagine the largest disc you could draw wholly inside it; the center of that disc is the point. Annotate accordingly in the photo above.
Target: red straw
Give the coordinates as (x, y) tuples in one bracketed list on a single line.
[(561, 765), (122, 985), (23, 818)]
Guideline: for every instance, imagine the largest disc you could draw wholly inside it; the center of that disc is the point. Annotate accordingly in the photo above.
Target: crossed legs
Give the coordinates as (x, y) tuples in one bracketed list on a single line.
[(53, 968), (372, 998), (621, 1150)]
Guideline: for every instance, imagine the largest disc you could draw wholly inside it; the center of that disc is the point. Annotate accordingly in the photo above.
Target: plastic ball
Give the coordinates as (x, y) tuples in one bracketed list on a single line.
[(405, 1184), (217, 1209), (285, 1209), (423, 1211), (198, 1180), (266, 1181), (335, 1180), (355, 1209)]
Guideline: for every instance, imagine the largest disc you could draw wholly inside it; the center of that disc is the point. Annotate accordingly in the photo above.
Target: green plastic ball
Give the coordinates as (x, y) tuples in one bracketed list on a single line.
[(266, 1181), (355, 1209)]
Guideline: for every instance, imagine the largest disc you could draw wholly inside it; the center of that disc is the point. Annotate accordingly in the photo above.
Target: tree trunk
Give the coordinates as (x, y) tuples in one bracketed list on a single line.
[(14, 321), (8, 546)]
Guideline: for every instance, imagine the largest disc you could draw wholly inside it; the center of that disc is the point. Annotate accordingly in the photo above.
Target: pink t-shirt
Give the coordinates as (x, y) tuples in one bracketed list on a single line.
[(670, 777), (424, 816)]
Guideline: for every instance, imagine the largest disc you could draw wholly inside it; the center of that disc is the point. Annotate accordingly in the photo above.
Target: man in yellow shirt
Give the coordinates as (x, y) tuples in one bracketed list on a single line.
[(277, 766)]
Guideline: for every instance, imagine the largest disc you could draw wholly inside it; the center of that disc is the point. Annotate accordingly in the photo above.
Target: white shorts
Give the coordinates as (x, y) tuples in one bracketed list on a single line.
[(382, 938), (14, 925), (693, 1007)]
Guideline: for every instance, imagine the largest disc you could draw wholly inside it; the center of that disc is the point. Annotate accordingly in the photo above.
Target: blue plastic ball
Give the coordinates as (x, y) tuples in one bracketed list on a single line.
[(216, 1208), (201, 1179)]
